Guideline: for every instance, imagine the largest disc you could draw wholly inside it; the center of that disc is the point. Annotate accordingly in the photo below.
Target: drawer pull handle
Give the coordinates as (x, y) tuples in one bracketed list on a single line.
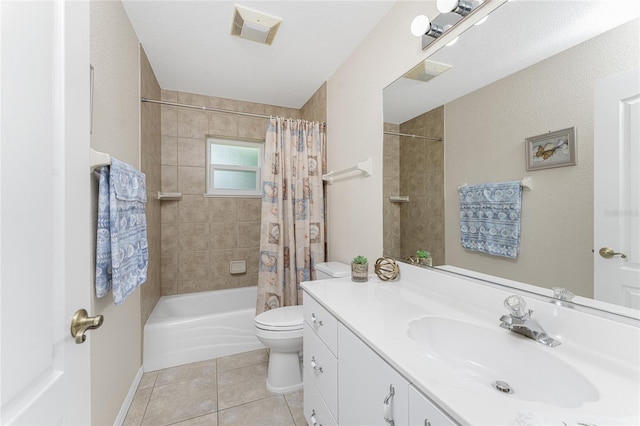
[(314, 365), (427, 422), (313, 419), (315, 320), (386, 406)]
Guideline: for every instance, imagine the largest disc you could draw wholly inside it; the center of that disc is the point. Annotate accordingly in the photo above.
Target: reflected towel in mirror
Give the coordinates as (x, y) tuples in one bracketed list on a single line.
[(490, 218)]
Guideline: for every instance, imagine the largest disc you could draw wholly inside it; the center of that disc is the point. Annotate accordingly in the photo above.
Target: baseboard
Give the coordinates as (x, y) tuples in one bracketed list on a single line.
[(127, 401)]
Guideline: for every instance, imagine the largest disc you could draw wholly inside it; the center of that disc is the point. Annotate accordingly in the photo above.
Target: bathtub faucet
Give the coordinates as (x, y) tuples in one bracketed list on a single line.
[(520, 321)]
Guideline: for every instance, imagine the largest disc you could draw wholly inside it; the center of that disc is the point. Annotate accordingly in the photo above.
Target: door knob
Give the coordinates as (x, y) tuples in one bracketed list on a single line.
[(81, 322), (608, 253)]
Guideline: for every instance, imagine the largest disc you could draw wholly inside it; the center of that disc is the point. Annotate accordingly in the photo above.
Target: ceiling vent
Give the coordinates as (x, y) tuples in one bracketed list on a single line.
[(253, 25), (426, 70)]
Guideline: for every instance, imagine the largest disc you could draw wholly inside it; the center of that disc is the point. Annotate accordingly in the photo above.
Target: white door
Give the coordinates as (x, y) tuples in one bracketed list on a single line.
[(44, 211), (617, 189)]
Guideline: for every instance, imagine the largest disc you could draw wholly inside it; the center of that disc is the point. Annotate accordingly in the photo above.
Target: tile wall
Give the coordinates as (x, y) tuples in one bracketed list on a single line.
[(391, 186), (150, 165), (201, 235), (422, 179)]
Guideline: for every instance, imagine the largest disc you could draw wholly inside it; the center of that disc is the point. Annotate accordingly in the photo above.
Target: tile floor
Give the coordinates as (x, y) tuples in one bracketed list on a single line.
[(220, 392)]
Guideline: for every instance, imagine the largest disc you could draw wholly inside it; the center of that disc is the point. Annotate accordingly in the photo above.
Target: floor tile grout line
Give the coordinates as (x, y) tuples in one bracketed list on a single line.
[(289, 408)]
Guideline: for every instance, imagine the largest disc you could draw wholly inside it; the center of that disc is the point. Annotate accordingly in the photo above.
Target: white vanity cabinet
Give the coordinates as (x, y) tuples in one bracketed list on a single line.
[(423, 412), (320, 364), (368, 388), (347, 383)]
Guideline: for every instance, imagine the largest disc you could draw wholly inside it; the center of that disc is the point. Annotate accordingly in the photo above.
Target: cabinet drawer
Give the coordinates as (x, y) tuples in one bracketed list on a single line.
[(321, 369), (424, 412), (316, 412), (321, 322)]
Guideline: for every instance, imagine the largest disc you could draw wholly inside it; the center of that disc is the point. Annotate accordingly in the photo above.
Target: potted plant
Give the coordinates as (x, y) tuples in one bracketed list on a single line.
[(424, 258), (360, 269)]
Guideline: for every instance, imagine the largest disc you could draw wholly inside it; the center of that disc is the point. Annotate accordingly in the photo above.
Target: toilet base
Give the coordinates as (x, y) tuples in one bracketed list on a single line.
[(284, 373)]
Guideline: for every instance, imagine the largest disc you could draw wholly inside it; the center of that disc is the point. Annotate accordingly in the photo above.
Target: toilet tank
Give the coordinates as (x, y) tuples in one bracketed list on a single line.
[(328, 270)]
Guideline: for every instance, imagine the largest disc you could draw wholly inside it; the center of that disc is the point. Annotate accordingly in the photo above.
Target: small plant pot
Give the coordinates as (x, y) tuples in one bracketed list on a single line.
[(360, 272), (425, 261)]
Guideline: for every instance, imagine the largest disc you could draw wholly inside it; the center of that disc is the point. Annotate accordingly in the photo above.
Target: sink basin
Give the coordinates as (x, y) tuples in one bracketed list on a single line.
[(523, 368)]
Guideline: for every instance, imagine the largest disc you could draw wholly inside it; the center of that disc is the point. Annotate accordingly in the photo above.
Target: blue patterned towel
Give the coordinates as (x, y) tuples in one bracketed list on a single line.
[(122, 253), (490, 218)]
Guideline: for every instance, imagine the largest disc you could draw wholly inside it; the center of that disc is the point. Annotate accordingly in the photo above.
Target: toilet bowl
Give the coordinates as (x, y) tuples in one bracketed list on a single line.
[(281, 330)]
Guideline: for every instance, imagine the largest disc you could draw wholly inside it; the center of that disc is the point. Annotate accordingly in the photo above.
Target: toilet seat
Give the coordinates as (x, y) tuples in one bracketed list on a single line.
[(286, 318)]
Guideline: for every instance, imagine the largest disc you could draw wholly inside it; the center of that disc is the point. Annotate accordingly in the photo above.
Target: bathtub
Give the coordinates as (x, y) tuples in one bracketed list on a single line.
[(192, 327)]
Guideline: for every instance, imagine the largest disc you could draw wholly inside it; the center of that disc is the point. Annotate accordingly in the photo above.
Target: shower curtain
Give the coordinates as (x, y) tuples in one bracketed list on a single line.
[(292, 223)]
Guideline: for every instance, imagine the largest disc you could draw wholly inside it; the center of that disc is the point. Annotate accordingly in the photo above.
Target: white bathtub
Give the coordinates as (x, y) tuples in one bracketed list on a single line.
[(194, 327)]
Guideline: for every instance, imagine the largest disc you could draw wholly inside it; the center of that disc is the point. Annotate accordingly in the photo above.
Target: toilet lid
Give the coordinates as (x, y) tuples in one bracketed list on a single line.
[(284, 318)]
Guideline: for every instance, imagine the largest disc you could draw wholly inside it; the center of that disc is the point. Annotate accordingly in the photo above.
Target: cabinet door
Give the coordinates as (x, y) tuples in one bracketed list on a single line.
[(368, 388), (423, 412)]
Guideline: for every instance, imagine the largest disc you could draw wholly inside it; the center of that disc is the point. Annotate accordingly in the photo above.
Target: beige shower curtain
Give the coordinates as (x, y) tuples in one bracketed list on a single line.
[(292, 228)]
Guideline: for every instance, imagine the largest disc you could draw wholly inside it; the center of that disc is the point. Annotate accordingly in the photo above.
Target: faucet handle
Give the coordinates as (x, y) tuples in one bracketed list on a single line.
[(562, 294), (517, 306)]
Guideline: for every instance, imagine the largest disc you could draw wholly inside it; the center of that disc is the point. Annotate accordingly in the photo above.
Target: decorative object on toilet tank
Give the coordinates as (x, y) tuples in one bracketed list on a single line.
[(386, 269), (360, 269)]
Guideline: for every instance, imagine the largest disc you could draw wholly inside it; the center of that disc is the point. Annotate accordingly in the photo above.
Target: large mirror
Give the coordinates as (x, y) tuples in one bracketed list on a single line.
[(530, 69)]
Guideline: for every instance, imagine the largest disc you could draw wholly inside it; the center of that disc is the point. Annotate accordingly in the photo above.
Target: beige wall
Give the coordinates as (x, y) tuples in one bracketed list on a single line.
[(557, 216), (422, 179), (355, 130), (151, 290), (201, 235), (315, 109), (115, 347)]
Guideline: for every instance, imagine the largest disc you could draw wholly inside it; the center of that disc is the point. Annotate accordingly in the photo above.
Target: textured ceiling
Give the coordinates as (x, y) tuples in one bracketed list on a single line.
[(190, 47), (518, 34)]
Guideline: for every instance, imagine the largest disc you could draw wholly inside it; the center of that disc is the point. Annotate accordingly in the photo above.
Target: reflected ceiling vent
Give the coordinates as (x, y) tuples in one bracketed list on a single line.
[(426, 70), (253, 25)]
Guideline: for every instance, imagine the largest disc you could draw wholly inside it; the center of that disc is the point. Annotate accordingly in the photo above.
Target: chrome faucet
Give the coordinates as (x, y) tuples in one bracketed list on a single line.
[(520, 321)]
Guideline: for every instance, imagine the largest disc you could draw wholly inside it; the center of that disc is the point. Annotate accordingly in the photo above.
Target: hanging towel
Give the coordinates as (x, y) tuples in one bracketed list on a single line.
[(490, 218), (122, 253)]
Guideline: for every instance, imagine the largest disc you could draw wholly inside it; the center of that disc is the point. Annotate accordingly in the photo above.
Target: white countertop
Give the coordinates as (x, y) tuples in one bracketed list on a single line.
[(606, 352)]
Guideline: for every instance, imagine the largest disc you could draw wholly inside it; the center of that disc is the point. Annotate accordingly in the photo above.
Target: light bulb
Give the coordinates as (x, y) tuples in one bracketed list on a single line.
[(420, 25), (446, 6)]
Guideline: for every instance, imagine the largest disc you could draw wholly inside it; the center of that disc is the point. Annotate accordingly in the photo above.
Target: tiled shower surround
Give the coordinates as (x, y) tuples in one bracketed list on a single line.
[(201, 235), (415, 167)]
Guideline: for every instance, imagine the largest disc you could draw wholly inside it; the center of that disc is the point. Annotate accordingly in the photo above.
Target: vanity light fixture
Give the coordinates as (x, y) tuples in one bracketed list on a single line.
[(452, 12), (460, 7), (421, 25)]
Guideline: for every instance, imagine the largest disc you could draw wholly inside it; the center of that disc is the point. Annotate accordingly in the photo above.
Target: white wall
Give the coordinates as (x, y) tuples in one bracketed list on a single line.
[(557, 216), (116, 353), (355, 130)]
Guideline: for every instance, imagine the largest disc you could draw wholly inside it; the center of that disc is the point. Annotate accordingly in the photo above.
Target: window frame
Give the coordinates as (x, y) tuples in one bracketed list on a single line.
[(212, 167)]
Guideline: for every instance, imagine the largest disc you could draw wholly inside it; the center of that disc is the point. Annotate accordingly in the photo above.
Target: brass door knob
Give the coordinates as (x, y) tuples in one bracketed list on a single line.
[(81, 322), (608, 253)]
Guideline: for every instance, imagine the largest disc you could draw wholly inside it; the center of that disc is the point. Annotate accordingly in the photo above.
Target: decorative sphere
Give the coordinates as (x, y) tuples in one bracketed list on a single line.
[(387, 269)]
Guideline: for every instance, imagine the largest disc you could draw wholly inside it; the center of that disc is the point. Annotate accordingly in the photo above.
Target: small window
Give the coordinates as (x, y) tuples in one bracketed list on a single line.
[(234, 168)]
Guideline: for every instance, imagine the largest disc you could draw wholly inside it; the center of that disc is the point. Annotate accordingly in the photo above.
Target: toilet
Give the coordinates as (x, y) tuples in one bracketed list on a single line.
[(280, 330)]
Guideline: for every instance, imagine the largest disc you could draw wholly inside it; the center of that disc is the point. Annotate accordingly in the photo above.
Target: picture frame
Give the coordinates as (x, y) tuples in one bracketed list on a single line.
[(553, 149)]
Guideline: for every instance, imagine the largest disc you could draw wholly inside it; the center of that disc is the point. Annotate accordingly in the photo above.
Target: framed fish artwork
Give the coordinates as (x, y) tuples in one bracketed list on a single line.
[(553, 149)]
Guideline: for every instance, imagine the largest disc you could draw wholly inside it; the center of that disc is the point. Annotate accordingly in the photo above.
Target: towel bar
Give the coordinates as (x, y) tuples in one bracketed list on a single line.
[(97, 159), (363, 167)]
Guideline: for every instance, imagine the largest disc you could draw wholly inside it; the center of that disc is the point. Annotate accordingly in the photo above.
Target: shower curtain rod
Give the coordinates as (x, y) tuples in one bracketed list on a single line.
[(413, 136), (225, 111)]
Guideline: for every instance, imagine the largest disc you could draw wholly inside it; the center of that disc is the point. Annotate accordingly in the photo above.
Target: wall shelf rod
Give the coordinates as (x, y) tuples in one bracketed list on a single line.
[(408, 135), (363, 167), (98, 159), (526, 183)]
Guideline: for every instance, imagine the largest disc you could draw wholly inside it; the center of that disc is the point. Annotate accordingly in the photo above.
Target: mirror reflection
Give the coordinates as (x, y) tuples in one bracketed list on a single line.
[(506, 81)]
